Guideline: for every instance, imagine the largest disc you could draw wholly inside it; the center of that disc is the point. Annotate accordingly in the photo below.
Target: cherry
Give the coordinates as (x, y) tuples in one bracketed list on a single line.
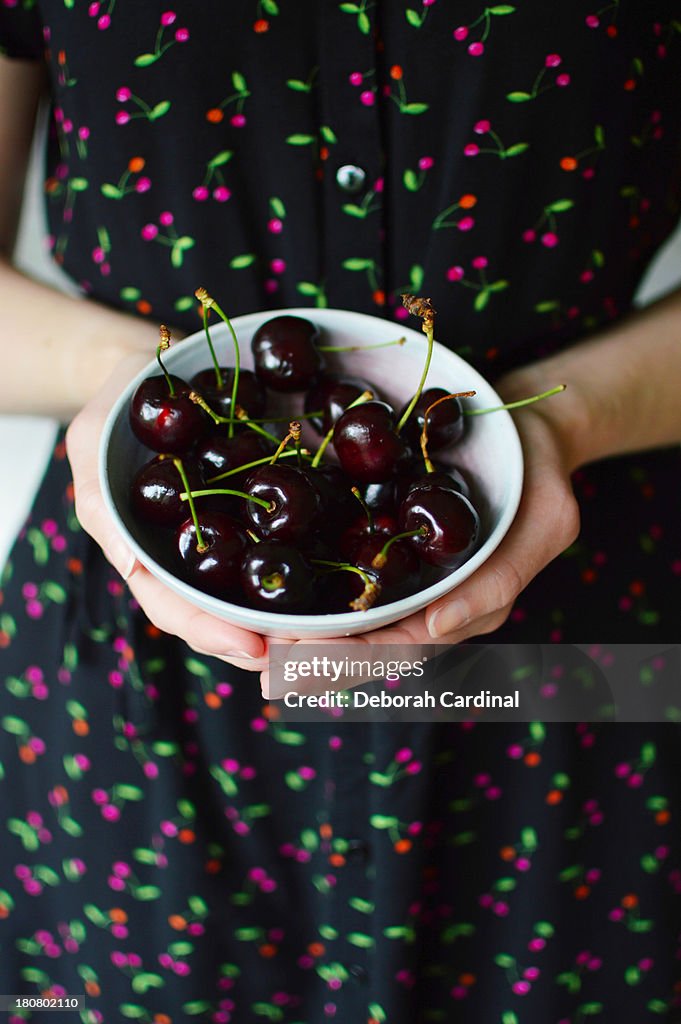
[(276, 577), (337, 505), (212, 564), (332, 395), (293, 499), (398, 575), (367, 445), (447, 477), (156, 488), (452, 525), (250, 393), (165, 421), (218, 453), (382, 525), (286, 354), (445, 422)]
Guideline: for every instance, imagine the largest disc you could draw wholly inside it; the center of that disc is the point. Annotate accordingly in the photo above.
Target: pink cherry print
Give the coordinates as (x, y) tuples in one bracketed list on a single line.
[(123, 94), (553, 60), (471, 149), (481, 127), (425, 163), (166, 219), (143, 185), (221, 194), (521, 988), (103, 22), (592, 21), (93, 10), (122, 117), (277, 266), (455, 273), (562, 81), (476, 49), (182, 35), (149, 232), (168, 18), (275, 226), (367, 98), (460, 33), (549, 239), (238, 121), (465, 224), (355, 78), (84, 133), (200, 193), (480, 262)]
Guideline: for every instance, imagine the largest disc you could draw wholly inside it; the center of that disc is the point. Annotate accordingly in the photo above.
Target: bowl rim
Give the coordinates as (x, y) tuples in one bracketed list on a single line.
[(339, 622)]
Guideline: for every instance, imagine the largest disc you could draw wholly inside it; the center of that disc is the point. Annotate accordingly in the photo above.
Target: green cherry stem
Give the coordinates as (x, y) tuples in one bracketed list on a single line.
[(286, 419), (188, 496), (257, 462), (360, 348), (372, 588), (367, 511), (218, 372), (293, 435), (163, 346), (208, 302), (241, 415), (423, 309), (516, 405), (342, 567), (366, 396), (381, 557)]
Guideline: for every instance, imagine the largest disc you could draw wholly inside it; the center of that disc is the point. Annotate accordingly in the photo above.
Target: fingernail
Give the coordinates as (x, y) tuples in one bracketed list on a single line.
[(447, 619), (122, 559), (242, 655)]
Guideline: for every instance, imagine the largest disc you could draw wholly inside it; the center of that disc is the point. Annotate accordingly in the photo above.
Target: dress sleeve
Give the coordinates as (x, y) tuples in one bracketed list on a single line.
[(21, 30)]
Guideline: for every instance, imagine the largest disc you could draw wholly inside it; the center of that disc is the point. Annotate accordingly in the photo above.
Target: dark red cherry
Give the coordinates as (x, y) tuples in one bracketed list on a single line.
[(448, 477), (250, 394), (337, 590), (293, 498), (163, 422), (445, 422), (276, 577), (383, 525), (333, 394), (216, 570), (218, 453), (285, 353), (400, 574), (156, 488), (452, 525), (337, 506), (367, 446)]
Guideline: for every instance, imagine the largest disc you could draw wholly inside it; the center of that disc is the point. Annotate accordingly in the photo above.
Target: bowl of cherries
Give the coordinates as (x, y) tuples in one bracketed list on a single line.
[(307, 473)]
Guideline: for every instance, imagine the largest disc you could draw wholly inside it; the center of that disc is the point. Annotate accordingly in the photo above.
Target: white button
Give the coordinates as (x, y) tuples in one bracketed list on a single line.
[(350, 178)]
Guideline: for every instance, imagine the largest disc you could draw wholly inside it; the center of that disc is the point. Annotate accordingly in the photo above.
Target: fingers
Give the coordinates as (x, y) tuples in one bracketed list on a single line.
[(205, 633)]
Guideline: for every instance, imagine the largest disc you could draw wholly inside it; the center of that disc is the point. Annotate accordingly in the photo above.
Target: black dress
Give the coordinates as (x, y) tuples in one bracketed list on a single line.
[(168, 850)]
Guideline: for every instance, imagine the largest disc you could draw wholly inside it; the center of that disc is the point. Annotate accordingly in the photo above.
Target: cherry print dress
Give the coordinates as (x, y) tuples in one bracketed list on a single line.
[(166, 849)]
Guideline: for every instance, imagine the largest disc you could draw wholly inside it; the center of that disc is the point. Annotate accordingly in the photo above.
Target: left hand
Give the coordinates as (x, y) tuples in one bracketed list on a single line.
[(547, 522)]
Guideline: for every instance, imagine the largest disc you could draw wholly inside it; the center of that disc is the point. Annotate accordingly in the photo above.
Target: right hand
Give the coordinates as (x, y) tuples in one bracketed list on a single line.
[(205, 633)]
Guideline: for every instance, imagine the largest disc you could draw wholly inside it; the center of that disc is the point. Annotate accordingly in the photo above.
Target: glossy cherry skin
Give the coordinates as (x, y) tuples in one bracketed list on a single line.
[(286, 354), (452, 525), (445, 422), (294, 499), (276, 577), (337, 506), (250, 394), (383, 525), (333, 394), (400, 574), (448, 477), (156, 488), (217, 569), (218, 453), (367, 446), (165, 423)]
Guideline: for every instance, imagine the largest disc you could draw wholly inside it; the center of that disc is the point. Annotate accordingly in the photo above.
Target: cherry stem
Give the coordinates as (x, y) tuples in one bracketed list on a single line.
[(372, 588), (360, 348), (423, 440), (366, 396), (367, 510), (163, 346), (516, 405), (188, 496), (240, 413), (422, 308), (218, 372), (286, 419), (293, 435), (381, 557), (256, 462), (274, 581), (208, 302)]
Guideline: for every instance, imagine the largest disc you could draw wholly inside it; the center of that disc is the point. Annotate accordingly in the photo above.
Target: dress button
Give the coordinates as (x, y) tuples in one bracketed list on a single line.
[(350, 178), (357, 850), (358, 973)]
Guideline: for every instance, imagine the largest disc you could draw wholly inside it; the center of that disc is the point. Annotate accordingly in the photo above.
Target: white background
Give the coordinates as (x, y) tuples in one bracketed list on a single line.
[(25, 442)]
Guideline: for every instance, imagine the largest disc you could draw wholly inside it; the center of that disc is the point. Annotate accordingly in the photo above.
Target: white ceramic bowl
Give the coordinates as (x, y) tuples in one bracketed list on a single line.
[(490, 453)]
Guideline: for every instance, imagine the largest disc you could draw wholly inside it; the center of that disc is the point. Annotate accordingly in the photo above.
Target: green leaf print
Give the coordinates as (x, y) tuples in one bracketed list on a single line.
[(501, 9), (142, 982), (516, 149), (145, 59), (159, 110), (414, 108), (413, 17), (238, 81), (300, 140), (243, 261), (360, 940), (111, 191), (220, 159), (363, 23), (481, 300), (518, 97), (410, 180)]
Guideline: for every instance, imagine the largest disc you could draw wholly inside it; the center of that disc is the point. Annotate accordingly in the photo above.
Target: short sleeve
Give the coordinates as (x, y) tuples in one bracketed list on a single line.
[(21, 30)]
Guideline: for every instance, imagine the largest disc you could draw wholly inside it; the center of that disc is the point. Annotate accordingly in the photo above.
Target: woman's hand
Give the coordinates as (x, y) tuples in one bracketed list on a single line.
[(546, 524), (168, 612)]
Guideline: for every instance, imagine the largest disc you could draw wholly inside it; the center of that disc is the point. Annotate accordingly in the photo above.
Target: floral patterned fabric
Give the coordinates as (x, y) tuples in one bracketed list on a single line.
[(169, 849)]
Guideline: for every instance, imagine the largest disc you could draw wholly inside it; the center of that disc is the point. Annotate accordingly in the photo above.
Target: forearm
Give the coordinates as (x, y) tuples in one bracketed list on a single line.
[(56, 350), (623, 386)]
